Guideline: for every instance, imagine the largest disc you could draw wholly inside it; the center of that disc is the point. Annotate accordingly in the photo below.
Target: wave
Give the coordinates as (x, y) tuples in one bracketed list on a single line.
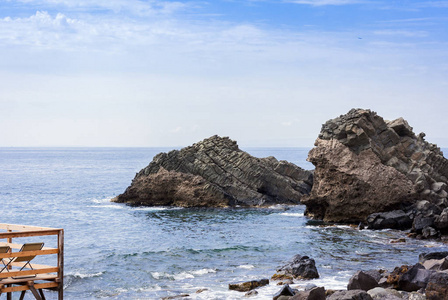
[(182, 275), (292, 214), (85, 275)]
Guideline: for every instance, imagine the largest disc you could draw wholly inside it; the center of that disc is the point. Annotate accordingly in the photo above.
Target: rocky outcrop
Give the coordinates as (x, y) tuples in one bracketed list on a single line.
[(216, 173), (248, 285), (299, 267), (367, 165)]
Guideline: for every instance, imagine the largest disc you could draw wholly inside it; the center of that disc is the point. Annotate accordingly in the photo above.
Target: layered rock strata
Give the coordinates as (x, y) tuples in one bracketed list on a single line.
[(216, 173), (367, 165)]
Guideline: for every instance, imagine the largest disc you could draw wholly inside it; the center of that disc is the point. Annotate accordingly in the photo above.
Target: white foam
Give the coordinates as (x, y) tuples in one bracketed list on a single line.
[(247, 267), (113, 206), (203, 271), (101, 201), (88, 275), (182, 275), (292, 214)]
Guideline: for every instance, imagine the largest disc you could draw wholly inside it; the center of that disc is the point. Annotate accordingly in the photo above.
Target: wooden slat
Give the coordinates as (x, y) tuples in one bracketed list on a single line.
[(29, 253), (37, 286), (5, 226), (35, 266), (4, 235), (28, 272), (39, 277)]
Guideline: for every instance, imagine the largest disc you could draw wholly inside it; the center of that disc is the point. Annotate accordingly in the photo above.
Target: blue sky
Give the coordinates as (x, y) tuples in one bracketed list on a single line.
[(170, 73)]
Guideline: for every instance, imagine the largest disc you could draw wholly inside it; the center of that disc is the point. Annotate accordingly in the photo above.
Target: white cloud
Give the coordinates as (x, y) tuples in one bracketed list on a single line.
[(405, 33), (326, 2)]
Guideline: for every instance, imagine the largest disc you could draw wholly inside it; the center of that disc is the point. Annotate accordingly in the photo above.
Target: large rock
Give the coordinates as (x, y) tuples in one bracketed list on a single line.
[(350, 295), (414, 279), (362, 281), (299, 267), (366, 165), (317, 293), (215, 172), (437, 287), (248, 285), (396, 219)]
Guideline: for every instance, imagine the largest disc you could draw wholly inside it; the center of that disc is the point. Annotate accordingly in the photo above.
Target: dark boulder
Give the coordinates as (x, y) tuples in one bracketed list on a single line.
[(362, 281), (396, 219), (437, 287), (216, 173), (414, 279), (286, 290), (432, 255), (299, 267), (316, 293), (248, 285), (350, 295)]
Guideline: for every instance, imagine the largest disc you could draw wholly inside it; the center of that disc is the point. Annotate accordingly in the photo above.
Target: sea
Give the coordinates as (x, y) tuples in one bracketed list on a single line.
[(114, 251)]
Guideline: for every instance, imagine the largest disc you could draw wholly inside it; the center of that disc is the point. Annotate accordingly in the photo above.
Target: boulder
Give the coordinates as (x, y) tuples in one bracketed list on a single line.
[(436, 264), (286, 290), (414, 279), (248, 285), (379, 293), (252, 293), (316, 293), (350, 295), (396, 219), (441, 221), (299, 267), (362, 281), (431, 255), (437, 287), (421, 222), (216, 173), (365, 165)]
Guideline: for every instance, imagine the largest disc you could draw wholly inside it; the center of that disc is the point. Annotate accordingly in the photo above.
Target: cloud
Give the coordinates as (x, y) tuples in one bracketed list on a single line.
[(136, 7), (326, 2), (404, 33)]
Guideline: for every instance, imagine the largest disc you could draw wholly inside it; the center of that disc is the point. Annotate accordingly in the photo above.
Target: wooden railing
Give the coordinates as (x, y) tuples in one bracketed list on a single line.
[(40, 276)]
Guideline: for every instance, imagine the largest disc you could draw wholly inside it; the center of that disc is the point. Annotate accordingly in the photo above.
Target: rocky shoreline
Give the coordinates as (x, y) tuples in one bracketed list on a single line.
[(425, 280)]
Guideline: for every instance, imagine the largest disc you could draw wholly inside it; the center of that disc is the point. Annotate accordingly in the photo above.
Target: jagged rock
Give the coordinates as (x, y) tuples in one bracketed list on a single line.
[(215, 172), (379, 293), (300, 267), (362, 281), (429, 232), (441, 221), (316, 293), (366, 165), (421, 222), (286, 290), (248, 285), (414, 279), (436, 264), (437, 287), (350, 295), (431, 255), (252, 293), (396, 219)]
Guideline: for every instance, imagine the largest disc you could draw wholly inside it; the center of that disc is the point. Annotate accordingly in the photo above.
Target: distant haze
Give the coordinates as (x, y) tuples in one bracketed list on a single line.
[(171, 73)]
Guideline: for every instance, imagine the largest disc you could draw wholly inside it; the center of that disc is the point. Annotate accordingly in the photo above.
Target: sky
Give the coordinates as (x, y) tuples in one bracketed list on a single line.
[(134, 73)]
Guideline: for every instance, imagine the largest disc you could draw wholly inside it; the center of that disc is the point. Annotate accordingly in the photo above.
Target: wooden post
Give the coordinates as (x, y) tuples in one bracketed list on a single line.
[(61, 264), (9, 295)]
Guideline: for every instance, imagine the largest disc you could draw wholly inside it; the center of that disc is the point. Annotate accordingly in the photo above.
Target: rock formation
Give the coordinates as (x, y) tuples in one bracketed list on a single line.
[(367, 165), (216, 173)]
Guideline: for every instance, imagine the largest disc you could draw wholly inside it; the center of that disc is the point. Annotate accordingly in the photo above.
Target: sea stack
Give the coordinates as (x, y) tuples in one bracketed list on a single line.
[(365, 164), (216, 173)]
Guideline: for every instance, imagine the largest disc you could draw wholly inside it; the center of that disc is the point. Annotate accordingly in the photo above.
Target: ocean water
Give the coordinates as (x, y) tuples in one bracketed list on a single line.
[(115, 251)]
